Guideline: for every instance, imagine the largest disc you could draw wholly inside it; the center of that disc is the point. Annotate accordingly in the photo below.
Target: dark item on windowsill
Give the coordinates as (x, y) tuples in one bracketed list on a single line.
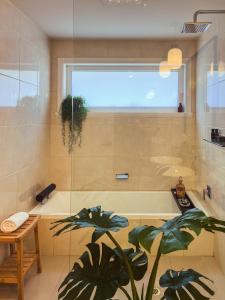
[(216, 138), (214, 134), (45, 193), (184, 204), (180, 108)]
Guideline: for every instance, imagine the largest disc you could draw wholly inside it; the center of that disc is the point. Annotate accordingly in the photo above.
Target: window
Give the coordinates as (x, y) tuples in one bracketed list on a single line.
[(123, 87)]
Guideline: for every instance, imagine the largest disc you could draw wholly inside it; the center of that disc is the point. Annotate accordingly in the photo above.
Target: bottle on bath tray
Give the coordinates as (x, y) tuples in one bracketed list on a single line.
[(180, 189)]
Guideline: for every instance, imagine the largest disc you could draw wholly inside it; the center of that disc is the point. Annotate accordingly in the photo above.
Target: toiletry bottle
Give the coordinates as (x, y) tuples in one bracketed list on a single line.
[(180, 189), (180, 108), (213, 135), (217, 134)]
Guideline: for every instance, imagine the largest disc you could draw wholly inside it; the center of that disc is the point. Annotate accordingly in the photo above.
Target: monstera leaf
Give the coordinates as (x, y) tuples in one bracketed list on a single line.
[(101, 221), (98, 275), (179, 285), (102, 272), (135, 233), (138, 261), (176, 233)]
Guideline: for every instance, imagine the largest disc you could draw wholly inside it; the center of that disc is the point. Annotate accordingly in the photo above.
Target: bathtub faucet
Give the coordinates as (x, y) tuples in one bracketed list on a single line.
[(122, 176)]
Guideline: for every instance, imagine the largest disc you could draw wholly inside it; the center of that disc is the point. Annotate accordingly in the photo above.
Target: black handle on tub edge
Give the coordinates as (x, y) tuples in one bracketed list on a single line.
[(46, 192)]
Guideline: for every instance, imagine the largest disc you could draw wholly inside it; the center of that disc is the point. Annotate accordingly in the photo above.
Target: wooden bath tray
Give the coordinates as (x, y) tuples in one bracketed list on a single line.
[(183, 204)]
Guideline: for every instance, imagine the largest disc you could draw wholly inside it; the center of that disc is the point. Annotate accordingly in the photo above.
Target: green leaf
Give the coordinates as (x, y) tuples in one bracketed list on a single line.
[(134, 235), (176, 233), (97, 276), (179, 285), (101, 221), (138, 261)]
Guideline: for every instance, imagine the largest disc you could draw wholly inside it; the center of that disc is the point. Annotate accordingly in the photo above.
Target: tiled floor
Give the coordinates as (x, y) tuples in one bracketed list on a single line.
[(45, 285)]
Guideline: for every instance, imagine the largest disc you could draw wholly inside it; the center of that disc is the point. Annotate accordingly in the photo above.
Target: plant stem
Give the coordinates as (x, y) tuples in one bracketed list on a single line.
[(152, 278), (125, 292), (129, 270)]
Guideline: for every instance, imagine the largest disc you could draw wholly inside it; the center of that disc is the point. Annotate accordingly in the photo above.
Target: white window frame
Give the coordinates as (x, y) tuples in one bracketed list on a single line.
[(66, 66)]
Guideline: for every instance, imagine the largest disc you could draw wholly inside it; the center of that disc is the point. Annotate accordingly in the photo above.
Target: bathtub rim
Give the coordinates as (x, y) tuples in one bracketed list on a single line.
[(195, 197)]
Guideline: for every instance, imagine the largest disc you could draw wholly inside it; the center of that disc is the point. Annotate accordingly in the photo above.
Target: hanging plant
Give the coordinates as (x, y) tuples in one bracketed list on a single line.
[(73, 112)]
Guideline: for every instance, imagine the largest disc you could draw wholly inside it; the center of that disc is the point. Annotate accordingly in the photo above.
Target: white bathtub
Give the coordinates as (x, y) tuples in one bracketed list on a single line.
[(141, 208), (150, 204)]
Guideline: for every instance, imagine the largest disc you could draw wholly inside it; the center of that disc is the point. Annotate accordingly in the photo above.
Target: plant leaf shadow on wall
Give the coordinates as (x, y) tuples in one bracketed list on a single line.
[(73, 113), (104, 270)]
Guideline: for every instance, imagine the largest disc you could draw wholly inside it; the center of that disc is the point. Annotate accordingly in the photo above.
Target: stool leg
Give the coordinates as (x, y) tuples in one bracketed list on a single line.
[(37, 249), (12, 249), (20, 270)]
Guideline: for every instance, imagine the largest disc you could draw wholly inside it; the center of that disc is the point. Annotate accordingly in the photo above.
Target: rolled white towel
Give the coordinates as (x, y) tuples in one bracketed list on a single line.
[(14, 222)]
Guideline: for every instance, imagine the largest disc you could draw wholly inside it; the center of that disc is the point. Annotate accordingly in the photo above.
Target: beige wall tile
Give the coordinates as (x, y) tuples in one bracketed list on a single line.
[(46, 237), (114, 143), (8, 195), (79, 239), (11, 53), (210, 87), (24, 110), (203, 245), (9, 16), (60, 172), (29, 62)]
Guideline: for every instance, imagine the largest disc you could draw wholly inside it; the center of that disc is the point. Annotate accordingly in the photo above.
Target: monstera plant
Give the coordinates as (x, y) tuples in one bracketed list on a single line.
[(73, 112), (103, 270)]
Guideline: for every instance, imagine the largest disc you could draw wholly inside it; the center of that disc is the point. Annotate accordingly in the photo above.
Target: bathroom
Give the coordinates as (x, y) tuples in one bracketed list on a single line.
[(128, 149)]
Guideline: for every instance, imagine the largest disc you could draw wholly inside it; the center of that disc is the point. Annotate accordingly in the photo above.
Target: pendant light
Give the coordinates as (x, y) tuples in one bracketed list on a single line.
[(164, 69), (211, 72), (221, 69), (175, 58)]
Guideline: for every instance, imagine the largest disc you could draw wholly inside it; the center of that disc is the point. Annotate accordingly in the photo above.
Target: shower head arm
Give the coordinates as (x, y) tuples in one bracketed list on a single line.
[(206, 12)]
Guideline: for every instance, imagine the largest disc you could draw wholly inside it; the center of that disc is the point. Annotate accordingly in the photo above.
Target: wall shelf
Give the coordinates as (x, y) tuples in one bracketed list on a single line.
[(214, 143)]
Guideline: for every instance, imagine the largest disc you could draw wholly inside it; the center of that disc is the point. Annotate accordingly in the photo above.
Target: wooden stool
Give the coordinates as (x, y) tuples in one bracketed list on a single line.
[(15, 267)]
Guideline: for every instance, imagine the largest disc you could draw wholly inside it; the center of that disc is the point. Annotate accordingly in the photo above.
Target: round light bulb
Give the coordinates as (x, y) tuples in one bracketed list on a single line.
[(211, 72), (175, 58), (221, 69)]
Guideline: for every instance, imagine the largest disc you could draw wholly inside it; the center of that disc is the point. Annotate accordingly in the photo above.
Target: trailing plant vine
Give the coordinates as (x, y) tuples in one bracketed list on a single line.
[(73, 112)]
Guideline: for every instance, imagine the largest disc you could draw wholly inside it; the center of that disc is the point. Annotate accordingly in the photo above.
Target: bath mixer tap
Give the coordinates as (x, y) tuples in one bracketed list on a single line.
[(122, 176)]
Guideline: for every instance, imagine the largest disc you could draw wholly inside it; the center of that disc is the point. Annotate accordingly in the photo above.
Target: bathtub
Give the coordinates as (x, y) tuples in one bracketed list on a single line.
[(130, 204), (141, 208)]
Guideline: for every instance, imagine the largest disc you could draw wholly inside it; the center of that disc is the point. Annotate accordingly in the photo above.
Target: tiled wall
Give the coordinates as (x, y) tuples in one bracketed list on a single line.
[(211, 114), (24, 110), (153, 149)]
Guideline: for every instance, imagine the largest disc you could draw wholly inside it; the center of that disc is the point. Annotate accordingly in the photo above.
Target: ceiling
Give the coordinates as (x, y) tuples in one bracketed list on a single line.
[(93, 19)]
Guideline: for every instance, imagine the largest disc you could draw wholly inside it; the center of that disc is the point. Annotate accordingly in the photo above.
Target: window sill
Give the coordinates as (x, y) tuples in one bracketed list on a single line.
[(166, 114)]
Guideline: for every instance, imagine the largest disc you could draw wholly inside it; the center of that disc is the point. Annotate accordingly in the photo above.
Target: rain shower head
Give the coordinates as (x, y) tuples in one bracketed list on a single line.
[(198, 27)]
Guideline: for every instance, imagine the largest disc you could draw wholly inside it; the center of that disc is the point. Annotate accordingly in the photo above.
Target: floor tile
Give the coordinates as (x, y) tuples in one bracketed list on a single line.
[(45, 286)]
